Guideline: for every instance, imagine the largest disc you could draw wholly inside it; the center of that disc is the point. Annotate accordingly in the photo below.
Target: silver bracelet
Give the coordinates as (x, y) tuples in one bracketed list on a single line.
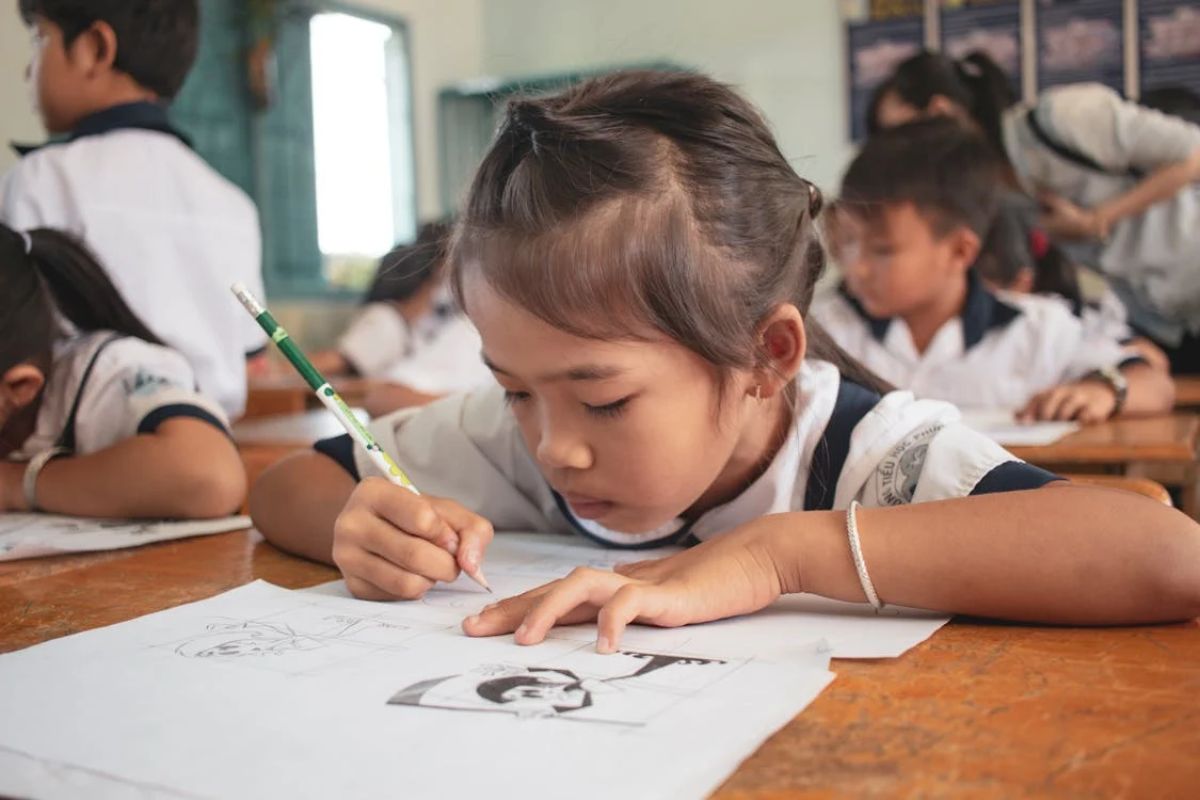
[(33, 469), (859, 563)]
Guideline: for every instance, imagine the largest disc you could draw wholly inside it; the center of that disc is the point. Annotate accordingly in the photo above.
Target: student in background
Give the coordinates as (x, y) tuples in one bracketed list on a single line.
[(660, 384), (410, 333), (916, 204), (1017, 256), (104, 421), (172, 233), (1118, 182)]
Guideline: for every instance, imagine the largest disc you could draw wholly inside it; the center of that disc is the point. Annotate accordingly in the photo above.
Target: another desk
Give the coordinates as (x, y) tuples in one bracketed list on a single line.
[(982, 709), (1187, 392), (290, 395)]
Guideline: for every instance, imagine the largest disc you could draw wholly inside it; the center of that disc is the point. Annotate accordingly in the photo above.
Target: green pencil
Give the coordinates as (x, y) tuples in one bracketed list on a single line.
[(331, 399)]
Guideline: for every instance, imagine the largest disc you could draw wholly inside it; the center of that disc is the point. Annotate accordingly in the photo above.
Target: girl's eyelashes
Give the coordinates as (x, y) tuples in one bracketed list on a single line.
[(511, 397), (612, 409)]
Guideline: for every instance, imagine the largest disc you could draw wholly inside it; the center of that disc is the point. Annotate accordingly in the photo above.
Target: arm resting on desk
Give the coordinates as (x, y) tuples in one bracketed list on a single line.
[(301, 522), (184, 469)]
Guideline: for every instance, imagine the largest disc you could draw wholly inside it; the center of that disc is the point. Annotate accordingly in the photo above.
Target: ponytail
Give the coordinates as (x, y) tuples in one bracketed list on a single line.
[(44, 272), (975, 83)]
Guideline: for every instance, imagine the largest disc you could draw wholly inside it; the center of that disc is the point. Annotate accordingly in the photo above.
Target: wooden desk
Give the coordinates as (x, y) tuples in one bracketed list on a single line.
[(1168, 439), (289, 394), (981, 709), (1187, 391)]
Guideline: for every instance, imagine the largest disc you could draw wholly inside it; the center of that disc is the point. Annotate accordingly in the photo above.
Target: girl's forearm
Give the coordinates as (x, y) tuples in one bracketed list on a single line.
[(1061, 554), (295, 503), (1162, 184), (186, 469), (1151, 391)]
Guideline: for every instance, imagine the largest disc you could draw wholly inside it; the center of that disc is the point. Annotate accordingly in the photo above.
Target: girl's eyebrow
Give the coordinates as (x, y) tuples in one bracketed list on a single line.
[(582, 372)]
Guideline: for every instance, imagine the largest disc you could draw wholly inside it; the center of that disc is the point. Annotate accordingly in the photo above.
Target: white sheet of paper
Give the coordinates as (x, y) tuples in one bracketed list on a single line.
[(1001, 426), (31, 535), (263, 692), (518, 562)]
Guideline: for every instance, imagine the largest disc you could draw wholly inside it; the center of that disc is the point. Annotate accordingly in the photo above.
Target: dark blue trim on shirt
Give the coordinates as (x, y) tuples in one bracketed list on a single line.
[(141, 115), (341, 450), (1014, 476), (853, 403), (158, 416), (982, 311), (680, 537)]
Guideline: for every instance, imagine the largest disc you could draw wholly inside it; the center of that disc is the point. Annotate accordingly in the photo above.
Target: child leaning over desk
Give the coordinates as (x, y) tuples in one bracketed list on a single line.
[(916, 204), (103, 421), (661, 384)]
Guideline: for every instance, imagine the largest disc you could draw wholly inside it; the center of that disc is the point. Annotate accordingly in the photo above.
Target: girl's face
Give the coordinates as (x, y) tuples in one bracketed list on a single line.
[(632, 434)]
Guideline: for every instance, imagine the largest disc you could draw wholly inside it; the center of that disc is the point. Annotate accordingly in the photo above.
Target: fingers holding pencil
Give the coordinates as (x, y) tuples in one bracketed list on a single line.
[(393, 544)]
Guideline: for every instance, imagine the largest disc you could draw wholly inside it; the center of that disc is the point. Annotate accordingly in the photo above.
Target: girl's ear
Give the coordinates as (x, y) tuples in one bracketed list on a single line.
[(20, 385), (942, 106), (783, 341), (1023, 283)]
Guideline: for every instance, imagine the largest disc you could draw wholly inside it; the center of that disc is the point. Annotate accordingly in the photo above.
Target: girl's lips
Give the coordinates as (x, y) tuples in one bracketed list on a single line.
[(586, 507)]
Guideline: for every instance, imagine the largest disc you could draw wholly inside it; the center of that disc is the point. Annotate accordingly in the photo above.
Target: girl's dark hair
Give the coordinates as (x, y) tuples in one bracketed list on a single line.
[(408, 267), (975, 82), (156, 39), (1015, 242), (57, 276), (647, 203)]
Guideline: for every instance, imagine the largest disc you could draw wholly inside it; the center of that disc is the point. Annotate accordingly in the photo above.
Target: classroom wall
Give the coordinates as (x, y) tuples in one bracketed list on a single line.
[(18, 122), (787, 55)]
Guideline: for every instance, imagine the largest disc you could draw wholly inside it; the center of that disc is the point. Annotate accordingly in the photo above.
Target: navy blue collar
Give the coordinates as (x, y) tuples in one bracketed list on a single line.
[(982, 311), (141, 115)]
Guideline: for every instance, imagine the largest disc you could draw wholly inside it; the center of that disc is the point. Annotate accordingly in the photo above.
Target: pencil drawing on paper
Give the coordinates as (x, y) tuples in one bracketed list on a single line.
[(233, 639), (644, 685)]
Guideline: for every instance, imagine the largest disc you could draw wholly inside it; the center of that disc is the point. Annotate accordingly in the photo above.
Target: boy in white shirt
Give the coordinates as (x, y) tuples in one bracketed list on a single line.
[(916, 204), (172, 233)]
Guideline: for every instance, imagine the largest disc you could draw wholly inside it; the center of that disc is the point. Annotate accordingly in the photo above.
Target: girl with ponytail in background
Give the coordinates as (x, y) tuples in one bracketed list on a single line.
[(97, 417)]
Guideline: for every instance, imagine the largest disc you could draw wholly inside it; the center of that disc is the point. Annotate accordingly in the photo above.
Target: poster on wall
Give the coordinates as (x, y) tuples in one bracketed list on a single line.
[(1080, 41), (991, 27), (1170, 44), (873, 50)]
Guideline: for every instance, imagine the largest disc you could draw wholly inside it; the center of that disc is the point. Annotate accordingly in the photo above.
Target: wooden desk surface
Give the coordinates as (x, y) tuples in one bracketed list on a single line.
[(1166, 439), (1187, 391), (286, 394), (982, 709), (290, 430)]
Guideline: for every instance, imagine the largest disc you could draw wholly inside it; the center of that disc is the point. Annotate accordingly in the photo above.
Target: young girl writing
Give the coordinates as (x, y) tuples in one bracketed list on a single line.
[(638, 257), (104, 421)]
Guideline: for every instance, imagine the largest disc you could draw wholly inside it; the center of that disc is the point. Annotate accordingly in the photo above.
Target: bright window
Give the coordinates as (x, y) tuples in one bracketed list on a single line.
[(362, 144)]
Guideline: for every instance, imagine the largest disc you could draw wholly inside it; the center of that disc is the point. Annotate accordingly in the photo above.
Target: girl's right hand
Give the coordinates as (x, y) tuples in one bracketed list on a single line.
[(391, 544)]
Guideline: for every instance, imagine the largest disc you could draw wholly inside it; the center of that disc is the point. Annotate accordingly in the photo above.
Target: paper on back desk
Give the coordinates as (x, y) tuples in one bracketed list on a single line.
[(518, 562), (1002, 427), (262, 692), (32, 535)]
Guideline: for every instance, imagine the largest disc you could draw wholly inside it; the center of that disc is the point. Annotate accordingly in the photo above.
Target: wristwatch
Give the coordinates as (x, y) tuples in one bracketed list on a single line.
[(1116, 381)]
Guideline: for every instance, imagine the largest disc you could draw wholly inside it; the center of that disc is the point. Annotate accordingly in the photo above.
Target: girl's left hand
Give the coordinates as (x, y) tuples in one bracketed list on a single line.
[(1064, 220), (1087, 401), (731, 575)]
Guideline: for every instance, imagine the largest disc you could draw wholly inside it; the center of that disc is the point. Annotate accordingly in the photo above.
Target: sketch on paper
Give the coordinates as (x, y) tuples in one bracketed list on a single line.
[(297, 640), (584, 688)]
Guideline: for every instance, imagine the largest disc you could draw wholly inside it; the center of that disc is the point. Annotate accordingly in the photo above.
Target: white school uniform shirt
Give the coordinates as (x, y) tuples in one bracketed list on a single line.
[(1152, 259), (999, 352), (1106, 319), (172, 234), (103, 388), (846, 443), (438, 354)]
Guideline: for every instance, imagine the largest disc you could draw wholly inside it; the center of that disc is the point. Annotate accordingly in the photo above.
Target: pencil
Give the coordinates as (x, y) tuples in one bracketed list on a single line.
[(332, 400)]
